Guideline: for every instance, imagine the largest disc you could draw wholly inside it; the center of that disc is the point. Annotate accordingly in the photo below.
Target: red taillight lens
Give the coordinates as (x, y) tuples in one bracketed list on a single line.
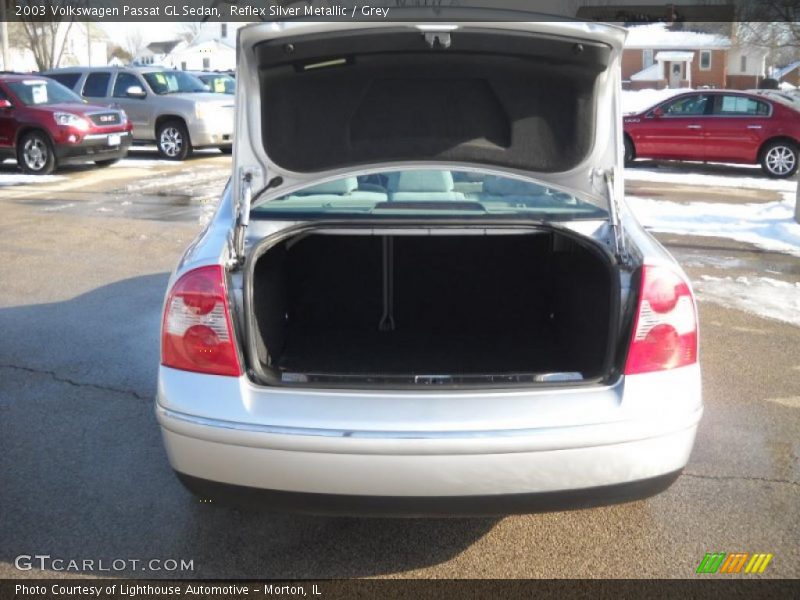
[(665, 332), (196, 334)]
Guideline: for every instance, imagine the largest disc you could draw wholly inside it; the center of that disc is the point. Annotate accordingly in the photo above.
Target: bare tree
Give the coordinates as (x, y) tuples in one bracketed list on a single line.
[(47, 39), (770, 23), (134, 41), (191, 30)]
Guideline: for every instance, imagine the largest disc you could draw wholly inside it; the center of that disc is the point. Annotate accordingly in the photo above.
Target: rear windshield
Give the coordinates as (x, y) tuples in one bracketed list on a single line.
[(429, 193), (174, 82), (39, 92)]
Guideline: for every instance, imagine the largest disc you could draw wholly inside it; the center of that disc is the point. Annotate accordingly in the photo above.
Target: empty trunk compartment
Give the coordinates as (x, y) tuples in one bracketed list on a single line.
[(517, 307)]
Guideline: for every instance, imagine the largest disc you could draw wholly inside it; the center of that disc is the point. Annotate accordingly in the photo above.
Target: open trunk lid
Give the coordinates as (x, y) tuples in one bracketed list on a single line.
[(538, 100)]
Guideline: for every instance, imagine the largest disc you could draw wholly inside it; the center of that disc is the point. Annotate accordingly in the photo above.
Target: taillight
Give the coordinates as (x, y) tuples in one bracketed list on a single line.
[(665, 332), (196, 334)]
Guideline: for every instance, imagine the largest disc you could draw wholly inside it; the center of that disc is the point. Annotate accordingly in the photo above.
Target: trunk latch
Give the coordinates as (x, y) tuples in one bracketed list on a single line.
[(438, 40)]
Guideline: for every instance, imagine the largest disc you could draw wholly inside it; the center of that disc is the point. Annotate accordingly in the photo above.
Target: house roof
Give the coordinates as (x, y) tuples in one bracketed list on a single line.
[(783, 71), (654, 72), (163, 47), (658, 36), (206, 46)]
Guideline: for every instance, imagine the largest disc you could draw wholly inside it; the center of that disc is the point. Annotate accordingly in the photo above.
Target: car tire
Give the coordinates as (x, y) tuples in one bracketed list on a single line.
[(172, 139), (630, 153), (107, 162), (35, 154), (226, 149), (779, 159)]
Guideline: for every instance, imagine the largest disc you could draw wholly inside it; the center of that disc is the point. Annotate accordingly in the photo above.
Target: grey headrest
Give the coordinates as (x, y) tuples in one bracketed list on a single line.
[(337, 186), (425, 181)]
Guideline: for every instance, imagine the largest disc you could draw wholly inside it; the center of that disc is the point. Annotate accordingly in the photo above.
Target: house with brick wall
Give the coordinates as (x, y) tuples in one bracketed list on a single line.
[(662, 55)]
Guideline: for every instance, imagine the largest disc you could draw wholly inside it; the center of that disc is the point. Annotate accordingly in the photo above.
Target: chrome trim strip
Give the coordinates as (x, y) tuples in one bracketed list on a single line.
[(338, 433), (100, 136), (382, 435)]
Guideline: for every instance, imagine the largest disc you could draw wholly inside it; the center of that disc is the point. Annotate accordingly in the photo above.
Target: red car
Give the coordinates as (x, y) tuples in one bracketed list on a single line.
[(43, 125), (717, 126)]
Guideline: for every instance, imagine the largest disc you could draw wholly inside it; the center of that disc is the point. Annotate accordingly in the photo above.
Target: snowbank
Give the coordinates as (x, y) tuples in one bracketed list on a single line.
[(21, 178), (684, 176), (770, 225), (762, 296), (634, 101)]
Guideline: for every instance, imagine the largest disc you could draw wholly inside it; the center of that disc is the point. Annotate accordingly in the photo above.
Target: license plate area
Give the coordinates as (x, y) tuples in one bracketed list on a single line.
[(114, 139)]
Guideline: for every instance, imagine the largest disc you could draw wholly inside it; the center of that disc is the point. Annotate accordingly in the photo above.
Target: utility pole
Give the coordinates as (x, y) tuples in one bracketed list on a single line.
[(4, 34)]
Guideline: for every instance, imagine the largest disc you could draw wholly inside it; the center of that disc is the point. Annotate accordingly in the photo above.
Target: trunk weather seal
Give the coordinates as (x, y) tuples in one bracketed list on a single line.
[(260, 375)]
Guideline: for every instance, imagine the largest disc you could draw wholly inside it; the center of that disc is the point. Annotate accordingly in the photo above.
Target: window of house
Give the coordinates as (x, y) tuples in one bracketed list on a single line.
[(206, 63), (223, 30), (705, 60), (123, 82), (96, 84), (743, 64), (647, 58)]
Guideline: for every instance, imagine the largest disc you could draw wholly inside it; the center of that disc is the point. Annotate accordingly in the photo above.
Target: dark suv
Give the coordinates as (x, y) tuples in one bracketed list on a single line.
[(44, 125)]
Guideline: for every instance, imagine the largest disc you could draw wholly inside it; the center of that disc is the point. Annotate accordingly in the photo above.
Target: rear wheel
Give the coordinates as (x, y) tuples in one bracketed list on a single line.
[(779, 159), (106, 163), (35, 154), (630, 154), (173, 140)]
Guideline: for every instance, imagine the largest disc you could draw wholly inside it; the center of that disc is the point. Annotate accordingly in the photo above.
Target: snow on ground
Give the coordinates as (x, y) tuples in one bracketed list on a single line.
[(768, 225), (634, 101), (762, 296), (682, 175), (11, 178)]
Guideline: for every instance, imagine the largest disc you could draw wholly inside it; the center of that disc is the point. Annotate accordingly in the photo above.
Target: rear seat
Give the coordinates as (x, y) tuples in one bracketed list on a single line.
[(419, 186), (514, 191), (341, 190)]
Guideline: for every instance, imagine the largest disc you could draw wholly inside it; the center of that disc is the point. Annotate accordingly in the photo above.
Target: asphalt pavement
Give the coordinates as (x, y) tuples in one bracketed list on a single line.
[(84, 261)]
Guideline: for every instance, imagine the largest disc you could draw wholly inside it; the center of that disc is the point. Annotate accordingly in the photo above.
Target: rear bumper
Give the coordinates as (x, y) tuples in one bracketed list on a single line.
[(494, 473), (425, 506), (205, 134), (93, 147)]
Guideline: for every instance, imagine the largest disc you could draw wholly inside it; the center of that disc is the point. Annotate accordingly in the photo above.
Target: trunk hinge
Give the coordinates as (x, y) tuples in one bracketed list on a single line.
[(620, 250), (242, 219)]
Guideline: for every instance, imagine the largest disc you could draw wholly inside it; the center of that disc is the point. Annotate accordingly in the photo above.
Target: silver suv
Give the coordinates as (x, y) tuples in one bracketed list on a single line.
[(172, 108)]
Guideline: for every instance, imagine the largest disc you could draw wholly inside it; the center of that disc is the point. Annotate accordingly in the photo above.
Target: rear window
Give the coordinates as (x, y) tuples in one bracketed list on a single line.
[(67, 79), (740, 105), (414, 193), (96, 85)]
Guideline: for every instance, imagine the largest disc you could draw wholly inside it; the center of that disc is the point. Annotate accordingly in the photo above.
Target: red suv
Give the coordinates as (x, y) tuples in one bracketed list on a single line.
[(43, 125), (717, 126)]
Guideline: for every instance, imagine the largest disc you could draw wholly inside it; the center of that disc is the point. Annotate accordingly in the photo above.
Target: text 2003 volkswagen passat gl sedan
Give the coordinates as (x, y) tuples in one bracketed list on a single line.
[(422, 292)]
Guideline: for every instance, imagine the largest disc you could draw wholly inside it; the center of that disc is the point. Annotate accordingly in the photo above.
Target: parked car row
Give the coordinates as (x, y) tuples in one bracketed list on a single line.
[(172, 108), (95, 113)]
